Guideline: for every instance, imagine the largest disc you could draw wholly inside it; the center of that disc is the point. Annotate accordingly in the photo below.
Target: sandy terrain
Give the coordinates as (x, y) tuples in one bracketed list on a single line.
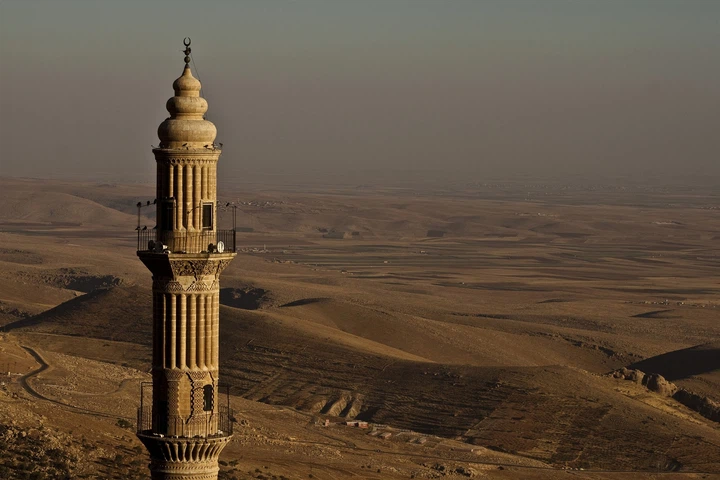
[(493, 343)]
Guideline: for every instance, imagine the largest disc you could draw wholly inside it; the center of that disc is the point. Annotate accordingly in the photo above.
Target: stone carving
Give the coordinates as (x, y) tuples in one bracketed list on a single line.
[(197, 375), (197, 268), (174, 375), (197, 399), (174, 287), (221, 266), (167, 285), (172, 403), (184, 268), (175, 160), (200, 286), (188, 453)]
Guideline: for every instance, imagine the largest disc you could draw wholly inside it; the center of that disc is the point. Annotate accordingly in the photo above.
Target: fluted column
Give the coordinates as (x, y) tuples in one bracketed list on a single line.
[(196, 196), (209, 316), (180, 197), (171, 339), (201, 331), (182, 321), (158, 341), (204, 173), (162, 360), (192, 309), (212, 193), (189, 207), (169, 191), (216, 331)]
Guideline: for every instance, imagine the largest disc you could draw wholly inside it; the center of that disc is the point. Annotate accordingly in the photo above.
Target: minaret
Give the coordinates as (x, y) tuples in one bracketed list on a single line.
[(189, 423)]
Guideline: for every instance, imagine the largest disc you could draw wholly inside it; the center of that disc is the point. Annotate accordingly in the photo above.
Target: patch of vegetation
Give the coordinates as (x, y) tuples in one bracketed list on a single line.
[(122, 423)]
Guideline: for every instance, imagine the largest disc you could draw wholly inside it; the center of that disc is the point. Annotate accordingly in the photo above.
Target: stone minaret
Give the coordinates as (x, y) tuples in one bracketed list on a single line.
[(189, 423)]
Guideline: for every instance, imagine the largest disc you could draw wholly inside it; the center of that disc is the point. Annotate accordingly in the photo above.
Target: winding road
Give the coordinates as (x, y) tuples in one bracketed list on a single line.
[(34, 393)]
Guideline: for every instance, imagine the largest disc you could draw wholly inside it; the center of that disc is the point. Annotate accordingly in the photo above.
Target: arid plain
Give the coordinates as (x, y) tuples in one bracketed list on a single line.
[(479, 325)]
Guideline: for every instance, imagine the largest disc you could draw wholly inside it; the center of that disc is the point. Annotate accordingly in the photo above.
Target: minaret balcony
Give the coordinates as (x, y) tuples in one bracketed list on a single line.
[(204, 241), (217, 421), (206, 425)]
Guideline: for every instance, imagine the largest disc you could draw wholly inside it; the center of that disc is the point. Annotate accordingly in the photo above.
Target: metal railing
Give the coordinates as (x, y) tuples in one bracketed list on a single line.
[(208, 424), (185, 242), (226, 418), (213, 423)]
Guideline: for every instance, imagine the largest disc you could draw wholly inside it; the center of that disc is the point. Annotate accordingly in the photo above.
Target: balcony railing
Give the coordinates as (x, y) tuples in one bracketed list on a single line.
[(209, 424), (217, 422), (185, 242)]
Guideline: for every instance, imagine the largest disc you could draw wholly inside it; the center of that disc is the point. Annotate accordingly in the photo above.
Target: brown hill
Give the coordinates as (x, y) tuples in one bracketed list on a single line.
[(315, 363), (681, 364), (496, 334), (69, 204), (696, 368), (108, 313)]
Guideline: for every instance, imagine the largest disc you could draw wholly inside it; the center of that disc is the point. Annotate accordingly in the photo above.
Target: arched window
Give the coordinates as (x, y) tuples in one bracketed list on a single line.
[(208, 398)]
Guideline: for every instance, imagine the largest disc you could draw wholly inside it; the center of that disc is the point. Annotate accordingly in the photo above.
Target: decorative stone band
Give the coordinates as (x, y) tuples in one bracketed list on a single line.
[(172, 474), (198, 268), (168, 285), (192, 153), (203, 286), (168, 266), (174, 374), (179, 453), (187, 160), (201, 375)]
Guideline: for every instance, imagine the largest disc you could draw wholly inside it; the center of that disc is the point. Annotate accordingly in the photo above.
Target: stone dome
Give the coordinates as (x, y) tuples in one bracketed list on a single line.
[(186, 126), (186, 85)]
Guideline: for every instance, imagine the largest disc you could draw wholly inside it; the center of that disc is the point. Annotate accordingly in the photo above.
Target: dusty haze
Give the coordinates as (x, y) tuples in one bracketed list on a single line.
[(367, 90)]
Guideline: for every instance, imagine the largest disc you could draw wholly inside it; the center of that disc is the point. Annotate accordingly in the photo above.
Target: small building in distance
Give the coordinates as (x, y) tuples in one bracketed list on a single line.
[(336, 235), (433, 233), (357, 423)]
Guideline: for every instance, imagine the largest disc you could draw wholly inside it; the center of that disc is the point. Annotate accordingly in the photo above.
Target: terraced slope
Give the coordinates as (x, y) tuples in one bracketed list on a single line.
[(559, 415)]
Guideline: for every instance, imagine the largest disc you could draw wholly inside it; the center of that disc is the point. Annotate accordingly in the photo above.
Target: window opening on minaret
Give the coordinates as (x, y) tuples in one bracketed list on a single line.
[(208, 398), (207, 216), (162, 415), (168, 213)]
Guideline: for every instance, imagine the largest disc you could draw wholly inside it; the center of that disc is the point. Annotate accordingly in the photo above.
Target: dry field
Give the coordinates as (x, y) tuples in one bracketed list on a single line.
[(485, 352)]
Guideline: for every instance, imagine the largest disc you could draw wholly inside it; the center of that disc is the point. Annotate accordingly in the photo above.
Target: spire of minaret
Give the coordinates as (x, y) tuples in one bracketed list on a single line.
[(186, 127), (188, 50)]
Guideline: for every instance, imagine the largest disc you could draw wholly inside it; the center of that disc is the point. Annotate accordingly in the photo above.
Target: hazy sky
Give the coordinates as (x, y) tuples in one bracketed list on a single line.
[(475, 88)]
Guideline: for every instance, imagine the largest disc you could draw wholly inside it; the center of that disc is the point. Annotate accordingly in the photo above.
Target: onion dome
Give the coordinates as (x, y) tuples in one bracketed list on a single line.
[(186, 127)]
